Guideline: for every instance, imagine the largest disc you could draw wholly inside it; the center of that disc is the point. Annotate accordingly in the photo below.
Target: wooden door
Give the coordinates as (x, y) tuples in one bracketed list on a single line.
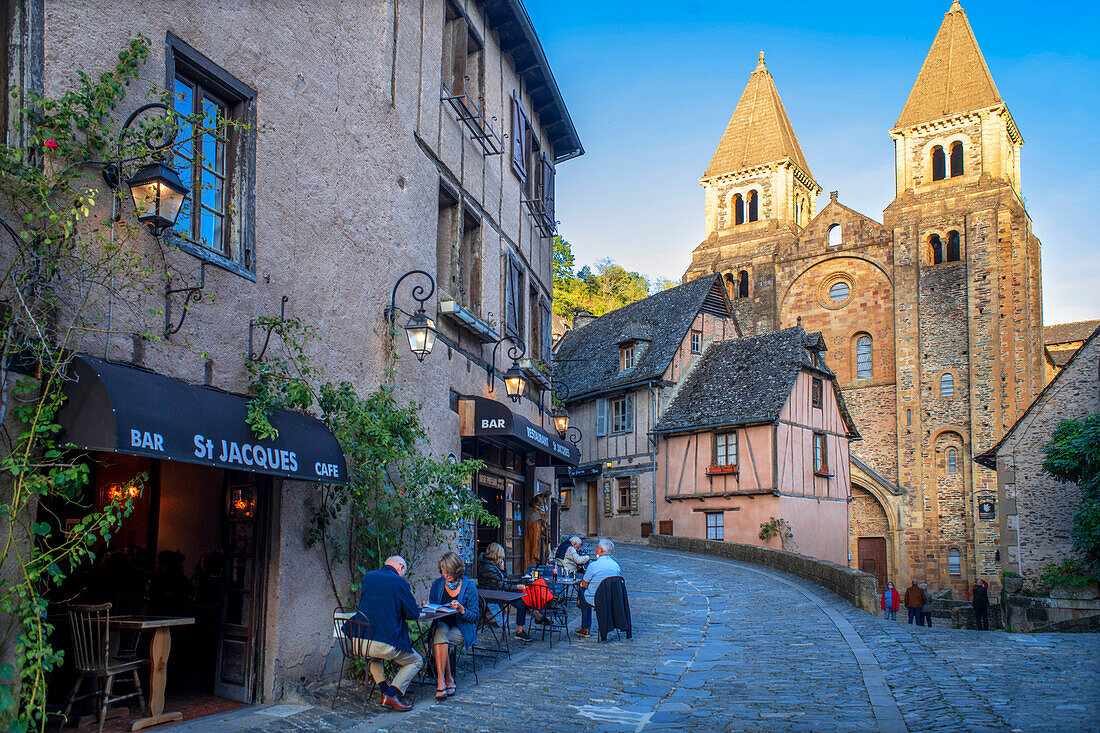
[(238, 632), (871, 554), (593, 510)]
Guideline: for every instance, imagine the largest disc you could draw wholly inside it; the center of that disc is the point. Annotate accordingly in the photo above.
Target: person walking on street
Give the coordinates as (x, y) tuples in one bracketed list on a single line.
[(914, 600), (979, 599), (926, 609), (890, 601)]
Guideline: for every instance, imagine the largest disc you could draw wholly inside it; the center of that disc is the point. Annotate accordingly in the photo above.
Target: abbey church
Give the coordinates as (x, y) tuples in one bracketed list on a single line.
[(932, 317)]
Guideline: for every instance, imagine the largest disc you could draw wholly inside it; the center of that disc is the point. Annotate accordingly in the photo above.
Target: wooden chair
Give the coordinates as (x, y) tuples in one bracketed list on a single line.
[(355, 635), (125, 643), (88, 625)]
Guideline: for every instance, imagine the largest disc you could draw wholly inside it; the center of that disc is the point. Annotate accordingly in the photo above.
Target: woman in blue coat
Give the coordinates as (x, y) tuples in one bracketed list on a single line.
[(452, 589)]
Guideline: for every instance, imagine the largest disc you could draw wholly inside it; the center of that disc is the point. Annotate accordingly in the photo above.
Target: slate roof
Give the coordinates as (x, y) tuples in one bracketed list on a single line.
[(989, 458), (1068, 333), (586, 361), (747, 381), (759, 131), (954, 77)]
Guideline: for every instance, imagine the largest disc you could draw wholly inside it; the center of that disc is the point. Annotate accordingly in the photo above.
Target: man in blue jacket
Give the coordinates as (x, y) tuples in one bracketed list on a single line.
[(386, 602)]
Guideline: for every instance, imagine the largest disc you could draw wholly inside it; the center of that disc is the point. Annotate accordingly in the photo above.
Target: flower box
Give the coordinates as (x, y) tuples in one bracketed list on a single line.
[(467, 321), (714, 468), (536, 372)]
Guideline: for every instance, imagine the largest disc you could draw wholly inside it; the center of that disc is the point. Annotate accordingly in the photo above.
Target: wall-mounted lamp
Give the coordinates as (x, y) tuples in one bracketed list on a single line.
[(419, 329), (156, 189), (514, 381)]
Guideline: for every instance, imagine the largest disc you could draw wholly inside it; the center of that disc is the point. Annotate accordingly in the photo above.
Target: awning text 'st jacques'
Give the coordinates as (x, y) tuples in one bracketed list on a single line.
[(122, 409)]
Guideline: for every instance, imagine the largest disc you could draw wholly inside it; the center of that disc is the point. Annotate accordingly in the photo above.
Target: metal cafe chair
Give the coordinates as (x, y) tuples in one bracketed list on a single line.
[(88, 625), (555, 616), (355, 634)]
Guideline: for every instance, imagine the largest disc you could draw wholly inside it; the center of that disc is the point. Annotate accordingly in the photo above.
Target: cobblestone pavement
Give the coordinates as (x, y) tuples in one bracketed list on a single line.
[(721, 645)]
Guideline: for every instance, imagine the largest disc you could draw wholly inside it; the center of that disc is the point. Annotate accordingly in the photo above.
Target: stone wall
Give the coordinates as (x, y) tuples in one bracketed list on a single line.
[(856, 587)]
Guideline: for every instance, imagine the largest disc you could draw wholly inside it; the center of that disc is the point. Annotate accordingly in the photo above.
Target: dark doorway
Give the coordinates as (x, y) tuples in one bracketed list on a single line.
[(871, 553)]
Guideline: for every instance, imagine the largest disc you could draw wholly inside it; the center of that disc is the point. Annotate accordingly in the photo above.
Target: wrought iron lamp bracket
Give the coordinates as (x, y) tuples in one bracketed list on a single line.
[(515, 352), (417, 294), (192, 294), (269, 327)]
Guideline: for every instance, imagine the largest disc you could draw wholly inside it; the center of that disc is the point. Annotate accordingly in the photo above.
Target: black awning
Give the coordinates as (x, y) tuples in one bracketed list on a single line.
[(118, 408), (491, 418)]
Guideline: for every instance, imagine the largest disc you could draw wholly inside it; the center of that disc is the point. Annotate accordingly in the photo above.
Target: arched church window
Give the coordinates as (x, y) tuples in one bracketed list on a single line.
[(743, 284), (835, 233), (954, 562), (864, 366), (731, 285), (947, 385), (953, 253), (938, 167), (936, 247), (798, 213), (956, 159), (754, 206), (952, 461), (738, 209)]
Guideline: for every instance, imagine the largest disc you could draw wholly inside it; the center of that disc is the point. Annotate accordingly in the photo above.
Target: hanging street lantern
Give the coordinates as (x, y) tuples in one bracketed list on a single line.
[(561, 421), (158, 195), (515, 382), (421, 332)]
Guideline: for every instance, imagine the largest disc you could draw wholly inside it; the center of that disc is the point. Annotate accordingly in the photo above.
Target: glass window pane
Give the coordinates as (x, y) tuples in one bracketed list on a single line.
[(839, 291)]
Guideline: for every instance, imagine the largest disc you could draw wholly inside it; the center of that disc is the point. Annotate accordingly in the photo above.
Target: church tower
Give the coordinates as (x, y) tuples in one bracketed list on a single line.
[(759, 195), (968, 312)]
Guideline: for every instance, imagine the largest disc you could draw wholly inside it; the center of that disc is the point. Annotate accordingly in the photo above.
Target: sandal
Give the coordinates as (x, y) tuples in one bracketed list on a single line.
[(441, 694), (451, 690)]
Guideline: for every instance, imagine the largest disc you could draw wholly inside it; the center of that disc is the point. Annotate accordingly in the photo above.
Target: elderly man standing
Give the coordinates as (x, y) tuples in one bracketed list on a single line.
[(386, 602), (599, 569), (573, 558)]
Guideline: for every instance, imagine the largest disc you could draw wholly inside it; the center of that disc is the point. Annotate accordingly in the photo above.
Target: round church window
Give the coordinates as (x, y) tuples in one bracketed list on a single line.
[(834, 291), (839, 291)]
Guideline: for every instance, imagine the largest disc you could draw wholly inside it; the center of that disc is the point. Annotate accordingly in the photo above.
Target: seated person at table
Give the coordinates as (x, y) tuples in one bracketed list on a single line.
[(573, 558), (490, 576), (602, 567), (559, 554), (452, 589), (386, 602)]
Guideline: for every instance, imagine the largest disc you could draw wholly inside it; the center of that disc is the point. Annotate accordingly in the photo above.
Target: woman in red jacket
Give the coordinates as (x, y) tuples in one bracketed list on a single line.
[(890, 601)]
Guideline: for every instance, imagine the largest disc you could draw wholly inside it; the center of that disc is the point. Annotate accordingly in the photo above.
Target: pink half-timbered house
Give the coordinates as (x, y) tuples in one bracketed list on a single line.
[(758, 431)]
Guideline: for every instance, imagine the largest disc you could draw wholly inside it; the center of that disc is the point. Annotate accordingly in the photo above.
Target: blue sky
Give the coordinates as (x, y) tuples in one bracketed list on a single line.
[(651, 86)]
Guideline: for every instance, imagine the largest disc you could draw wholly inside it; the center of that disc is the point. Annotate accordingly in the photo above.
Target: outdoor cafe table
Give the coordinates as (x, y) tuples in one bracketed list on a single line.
[(426, 616), (500, 598), (159, 648)]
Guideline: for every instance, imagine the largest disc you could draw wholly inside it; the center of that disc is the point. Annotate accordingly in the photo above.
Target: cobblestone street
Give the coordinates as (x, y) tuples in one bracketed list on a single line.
[(721, 645)]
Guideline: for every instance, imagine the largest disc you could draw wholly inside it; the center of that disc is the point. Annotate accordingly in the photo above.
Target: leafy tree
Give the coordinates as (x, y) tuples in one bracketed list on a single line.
[(596, 289), (1073, 454)]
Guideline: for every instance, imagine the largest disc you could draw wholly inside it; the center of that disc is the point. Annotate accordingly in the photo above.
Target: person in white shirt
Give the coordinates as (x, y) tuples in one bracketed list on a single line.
[(573, 558), (602, 567)]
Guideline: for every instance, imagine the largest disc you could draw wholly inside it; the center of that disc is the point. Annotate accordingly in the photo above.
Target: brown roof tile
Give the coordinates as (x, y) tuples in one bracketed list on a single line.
[(954, 77), (759, 131)]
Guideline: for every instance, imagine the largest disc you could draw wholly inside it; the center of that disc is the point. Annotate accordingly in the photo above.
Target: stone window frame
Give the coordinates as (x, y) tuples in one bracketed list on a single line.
[(927, 254), (743, 191), (855, 339), (944, 142), (826, 284), (954, 562), (938, 385)]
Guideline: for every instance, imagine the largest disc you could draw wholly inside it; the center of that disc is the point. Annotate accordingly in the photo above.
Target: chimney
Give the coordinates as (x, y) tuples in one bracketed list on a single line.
[(582, 318)]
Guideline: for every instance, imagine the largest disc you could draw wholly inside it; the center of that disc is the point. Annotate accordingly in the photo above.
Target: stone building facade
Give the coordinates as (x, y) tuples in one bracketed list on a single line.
[(1036, 510), (933, 316), (378, 139)]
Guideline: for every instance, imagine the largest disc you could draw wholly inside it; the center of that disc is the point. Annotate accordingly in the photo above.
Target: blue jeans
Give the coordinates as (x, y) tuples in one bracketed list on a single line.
[(914, 616), (891, 615), (586, 612)]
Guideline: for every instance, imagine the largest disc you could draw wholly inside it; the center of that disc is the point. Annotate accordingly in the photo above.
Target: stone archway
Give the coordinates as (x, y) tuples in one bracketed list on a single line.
[(868, 535)]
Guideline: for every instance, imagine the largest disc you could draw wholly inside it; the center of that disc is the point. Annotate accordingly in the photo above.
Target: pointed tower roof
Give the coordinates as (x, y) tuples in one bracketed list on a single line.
[(954, 77), (759, 131)]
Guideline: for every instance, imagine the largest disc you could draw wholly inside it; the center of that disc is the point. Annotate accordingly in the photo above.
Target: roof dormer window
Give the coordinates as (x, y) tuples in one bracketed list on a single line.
[(626, 357)]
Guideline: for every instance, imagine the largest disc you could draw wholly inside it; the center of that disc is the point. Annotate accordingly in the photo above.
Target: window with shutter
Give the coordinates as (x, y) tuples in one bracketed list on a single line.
[(633, 494), (601, 417), (519, 139), (547, 334), (514, 298), (548, 191)]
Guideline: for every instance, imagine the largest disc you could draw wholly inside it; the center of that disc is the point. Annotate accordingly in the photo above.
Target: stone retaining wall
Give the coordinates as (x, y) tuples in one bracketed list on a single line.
[(854, 586)]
